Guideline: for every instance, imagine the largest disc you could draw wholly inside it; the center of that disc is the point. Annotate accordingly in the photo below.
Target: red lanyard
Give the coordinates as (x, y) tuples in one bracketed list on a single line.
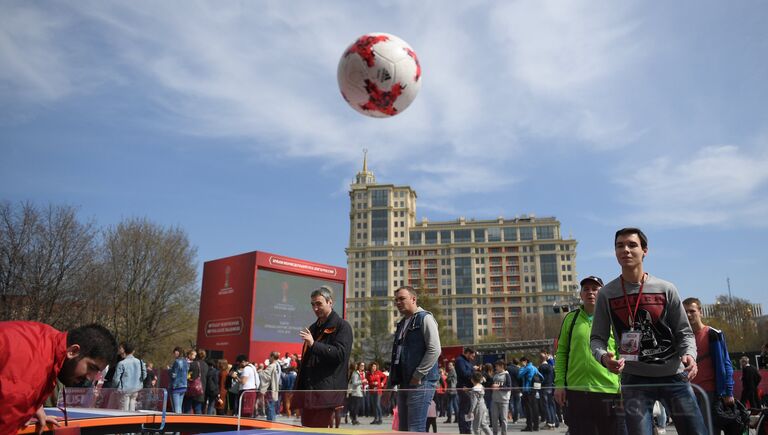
[(633, 313)]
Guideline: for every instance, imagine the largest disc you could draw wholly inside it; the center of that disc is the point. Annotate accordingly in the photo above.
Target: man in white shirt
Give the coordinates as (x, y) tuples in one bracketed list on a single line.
[(249, 379)]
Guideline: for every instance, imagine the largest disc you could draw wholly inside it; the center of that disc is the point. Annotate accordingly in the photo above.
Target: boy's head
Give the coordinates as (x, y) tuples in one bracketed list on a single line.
[(477, 378), (500, 365)]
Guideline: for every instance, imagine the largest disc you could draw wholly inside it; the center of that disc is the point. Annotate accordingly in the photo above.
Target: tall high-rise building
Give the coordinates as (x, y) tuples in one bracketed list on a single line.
[(488, 276)]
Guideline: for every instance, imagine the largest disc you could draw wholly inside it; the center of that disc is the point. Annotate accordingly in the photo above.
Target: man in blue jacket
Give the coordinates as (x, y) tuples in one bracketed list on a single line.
[(531, 392), (464, 369), (715, 374)]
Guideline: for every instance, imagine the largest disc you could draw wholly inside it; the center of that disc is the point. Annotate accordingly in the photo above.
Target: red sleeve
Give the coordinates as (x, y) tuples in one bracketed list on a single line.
[(31, 356)]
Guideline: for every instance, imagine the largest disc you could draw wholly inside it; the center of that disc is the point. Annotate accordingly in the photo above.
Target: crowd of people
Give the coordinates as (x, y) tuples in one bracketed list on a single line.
[(627, 356)]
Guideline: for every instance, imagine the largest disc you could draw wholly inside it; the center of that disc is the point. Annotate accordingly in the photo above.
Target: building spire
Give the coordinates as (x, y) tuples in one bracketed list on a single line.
[(365, 176)]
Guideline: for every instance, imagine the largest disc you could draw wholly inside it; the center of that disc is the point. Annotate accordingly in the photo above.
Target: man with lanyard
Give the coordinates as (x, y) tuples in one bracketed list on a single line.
[(715, 369), (590, 390), (321, 383), (656, 344), (415, 353)]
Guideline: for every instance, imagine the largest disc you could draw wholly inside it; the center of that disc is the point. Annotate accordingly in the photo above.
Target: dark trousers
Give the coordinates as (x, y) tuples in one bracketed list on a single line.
[(750, 395), (431, 421), (531, 405), (355, 407), (464, 405), (594, 413)]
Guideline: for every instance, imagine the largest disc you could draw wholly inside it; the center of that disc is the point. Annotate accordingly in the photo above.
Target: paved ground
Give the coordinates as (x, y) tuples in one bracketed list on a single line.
[(446, 428), (441, 427)]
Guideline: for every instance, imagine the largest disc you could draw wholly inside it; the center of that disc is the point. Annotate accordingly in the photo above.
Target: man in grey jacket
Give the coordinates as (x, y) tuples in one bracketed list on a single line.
[(415, 352), (656, 344)]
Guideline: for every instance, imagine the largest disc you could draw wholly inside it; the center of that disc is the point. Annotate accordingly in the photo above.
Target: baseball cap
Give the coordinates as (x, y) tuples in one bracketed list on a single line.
[(593, 279)]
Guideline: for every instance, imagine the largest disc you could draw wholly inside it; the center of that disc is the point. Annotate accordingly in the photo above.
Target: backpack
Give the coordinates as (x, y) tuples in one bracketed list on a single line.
[(232, 385)]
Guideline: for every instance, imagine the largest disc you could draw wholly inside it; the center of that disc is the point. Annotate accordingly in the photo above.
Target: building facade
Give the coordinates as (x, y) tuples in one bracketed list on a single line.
[(487, 276)]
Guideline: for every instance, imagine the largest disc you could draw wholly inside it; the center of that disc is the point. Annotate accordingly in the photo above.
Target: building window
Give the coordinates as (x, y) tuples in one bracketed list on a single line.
[(526, 233), (479, 235), (379, 198), (510, 234), (379, 278), (414, 237), (494, 234), (545, 233), (462, 236), (463, 275), (379, 227), (430, 237), (445, 236)]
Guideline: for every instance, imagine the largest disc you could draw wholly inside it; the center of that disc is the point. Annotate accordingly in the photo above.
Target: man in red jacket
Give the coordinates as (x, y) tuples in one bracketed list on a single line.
[(33, 355)]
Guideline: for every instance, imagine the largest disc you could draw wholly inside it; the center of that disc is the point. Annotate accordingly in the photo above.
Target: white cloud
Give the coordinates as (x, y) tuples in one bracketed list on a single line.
[(564, 59), (34, 68), (721, 185)]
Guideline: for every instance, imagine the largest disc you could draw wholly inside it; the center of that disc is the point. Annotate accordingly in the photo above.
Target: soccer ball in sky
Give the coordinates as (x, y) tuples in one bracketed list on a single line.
[(379, 75)]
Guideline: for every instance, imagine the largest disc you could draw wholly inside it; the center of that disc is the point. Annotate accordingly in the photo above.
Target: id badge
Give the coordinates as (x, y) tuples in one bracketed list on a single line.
[(630, 345), (397, 354)]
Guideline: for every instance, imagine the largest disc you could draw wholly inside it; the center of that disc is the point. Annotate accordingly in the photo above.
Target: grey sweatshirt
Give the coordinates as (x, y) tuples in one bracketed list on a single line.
[(432, 338), (660, 318)]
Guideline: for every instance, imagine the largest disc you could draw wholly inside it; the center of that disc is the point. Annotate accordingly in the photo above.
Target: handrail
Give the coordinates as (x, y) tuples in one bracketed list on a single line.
[(144, 428)]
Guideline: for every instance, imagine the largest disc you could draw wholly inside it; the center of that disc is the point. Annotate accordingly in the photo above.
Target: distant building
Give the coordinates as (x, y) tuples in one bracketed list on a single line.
[(486, 274), (710, 310)]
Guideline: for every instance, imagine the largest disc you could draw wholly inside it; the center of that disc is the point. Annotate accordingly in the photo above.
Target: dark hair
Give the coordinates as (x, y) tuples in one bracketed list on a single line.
[(477, 377), (241, 357), (178, 349), (127, 347), (631, 230), (524, 358), (95, 342), (469, 350), (500, 363)]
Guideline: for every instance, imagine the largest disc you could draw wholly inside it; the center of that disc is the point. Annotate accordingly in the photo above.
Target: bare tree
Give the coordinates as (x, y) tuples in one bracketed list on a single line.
[(149, 285), (46, 254)]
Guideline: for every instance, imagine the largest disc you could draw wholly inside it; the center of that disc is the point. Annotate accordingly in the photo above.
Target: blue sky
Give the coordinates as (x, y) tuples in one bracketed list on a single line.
[(224, 118)]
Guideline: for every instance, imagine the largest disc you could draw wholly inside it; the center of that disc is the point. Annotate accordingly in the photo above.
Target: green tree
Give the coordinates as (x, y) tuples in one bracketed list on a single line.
[(149, 280), (734, 317)]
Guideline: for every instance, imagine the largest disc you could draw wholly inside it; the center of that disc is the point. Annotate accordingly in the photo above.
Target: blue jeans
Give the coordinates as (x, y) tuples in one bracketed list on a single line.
[(189, 404), (550, 412), (376, 398), (514, 405), (271, 404), (176, 400), (453, 406), (413, 404), (640, 392)]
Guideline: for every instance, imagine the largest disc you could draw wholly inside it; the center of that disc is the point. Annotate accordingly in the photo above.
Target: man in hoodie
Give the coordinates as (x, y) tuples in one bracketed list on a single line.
[(531, 379), (715, 375)]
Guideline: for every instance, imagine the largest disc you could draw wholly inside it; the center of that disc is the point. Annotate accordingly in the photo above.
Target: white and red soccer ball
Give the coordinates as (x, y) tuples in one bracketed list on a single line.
[(379, 75)]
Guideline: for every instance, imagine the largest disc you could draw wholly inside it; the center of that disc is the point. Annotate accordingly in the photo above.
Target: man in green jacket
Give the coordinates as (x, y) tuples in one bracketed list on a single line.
[(589, 389)]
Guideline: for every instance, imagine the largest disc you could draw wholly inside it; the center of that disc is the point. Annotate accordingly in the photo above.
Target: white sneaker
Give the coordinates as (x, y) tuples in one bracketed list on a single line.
[(661, 430)]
